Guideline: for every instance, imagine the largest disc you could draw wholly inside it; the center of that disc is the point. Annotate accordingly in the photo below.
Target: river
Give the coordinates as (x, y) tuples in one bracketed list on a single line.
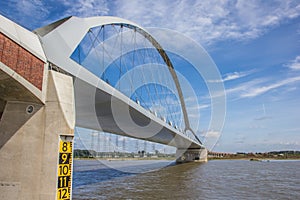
[(216, 179)]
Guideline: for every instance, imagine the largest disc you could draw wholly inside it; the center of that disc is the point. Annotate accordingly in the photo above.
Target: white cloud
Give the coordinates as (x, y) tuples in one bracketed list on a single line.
[(295, 64), (210, 134), (25, 13), (210, 21), (252, 92), (87, 8), (197, 107), (231, 76), (245, 86), (262, 118), (32, 7), (206, 21), (236, 75), (258, 87)]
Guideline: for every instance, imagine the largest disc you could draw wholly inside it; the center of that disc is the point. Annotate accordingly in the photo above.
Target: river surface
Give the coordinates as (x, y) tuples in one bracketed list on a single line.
[(217, 179)]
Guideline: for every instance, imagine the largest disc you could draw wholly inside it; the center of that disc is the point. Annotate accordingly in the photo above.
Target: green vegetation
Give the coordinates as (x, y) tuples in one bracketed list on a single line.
[(256, 156), (84, 154)]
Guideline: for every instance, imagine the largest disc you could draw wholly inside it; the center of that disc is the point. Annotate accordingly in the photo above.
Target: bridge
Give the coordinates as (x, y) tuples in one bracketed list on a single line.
[(86, 72)]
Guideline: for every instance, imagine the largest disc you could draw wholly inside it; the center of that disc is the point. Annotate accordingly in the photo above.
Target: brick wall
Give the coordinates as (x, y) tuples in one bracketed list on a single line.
[(21, 61)]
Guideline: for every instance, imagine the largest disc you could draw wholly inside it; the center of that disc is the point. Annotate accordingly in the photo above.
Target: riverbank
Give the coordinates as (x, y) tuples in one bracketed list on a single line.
[(124, 159), (255, 159), (173, 158), (273, 155)]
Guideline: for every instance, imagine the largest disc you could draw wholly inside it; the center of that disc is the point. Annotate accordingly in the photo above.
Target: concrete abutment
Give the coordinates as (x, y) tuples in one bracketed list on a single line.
[(30, 135)]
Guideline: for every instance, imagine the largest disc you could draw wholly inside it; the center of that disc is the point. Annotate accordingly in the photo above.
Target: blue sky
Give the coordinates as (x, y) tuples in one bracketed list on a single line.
[(255, 45)]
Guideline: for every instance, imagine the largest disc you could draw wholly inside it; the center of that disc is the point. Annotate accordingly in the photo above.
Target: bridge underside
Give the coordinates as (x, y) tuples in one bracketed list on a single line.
[(100, 110)]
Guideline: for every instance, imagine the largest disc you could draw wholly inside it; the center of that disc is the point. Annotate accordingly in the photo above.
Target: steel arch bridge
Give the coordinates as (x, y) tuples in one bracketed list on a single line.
[(84, 46), (100, 73)]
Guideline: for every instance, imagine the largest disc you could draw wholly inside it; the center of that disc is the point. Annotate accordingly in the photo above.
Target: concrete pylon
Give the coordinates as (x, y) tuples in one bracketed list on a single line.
[(36, 143), (191, 155)]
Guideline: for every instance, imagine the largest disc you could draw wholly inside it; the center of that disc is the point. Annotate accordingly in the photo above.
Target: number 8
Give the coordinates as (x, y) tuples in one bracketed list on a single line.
[(65, 146)]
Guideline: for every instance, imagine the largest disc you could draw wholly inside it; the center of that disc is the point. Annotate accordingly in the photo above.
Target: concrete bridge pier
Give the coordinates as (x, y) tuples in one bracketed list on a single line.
[(191, 155), (36, 140)]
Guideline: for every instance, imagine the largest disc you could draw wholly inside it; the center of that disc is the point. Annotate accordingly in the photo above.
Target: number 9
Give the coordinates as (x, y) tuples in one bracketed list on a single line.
[(64, 158)]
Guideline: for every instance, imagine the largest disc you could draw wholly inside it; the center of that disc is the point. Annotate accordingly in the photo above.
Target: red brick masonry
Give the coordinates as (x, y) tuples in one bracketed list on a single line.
[(21, 61)]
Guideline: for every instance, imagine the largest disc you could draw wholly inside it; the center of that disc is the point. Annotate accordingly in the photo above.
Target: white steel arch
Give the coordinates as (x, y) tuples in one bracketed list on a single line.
[(61, 38)]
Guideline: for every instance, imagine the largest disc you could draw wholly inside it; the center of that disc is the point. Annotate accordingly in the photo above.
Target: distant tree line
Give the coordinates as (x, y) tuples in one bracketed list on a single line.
[(84, 153), (79, 153), (283, 152), (265, 155)]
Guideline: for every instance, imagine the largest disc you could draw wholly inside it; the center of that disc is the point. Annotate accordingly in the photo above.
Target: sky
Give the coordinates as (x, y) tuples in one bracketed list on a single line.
[(255, 45)]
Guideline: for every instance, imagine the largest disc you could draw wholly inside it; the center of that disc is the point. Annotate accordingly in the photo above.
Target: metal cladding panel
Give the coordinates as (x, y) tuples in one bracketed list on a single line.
[(70, 33), (23, 37)]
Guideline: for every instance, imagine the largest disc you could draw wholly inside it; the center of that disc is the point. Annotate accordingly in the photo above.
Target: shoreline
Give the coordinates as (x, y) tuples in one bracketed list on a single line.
[(126, 159), (173, 158), (254, 159)]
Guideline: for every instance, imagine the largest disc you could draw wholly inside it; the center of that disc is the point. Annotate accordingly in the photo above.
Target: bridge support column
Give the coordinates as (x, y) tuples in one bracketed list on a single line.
[(191, 155), (31, 142)]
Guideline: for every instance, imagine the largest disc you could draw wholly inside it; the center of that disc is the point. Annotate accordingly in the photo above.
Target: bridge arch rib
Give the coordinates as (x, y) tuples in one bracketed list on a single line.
[(74, 30)]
